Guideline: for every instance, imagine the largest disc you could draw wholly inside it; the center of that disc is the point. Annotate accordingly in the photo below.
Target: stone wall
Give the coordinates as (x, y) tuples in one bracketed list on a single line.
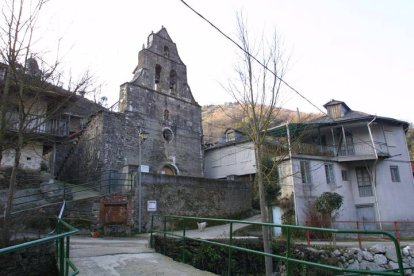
[(191, 196), (377, 257), (100, 148)]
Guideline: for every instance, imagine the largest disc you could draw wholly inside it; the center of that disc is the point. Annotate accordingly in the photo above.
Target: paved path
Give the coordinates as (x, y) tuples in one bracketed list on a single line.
[(124, 256), (132, 256), (217, 232)]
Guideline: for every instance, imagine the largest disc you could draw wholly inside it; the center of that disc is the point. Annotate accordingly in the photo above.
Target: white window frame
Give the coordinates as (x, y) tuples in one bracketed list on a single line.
[(364, 182)]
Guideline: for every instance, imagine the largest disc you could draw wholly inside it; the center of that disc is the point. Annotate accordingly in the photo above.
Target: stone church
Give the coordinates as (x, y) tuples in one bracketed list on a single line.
[(105, 155), (157, 102)]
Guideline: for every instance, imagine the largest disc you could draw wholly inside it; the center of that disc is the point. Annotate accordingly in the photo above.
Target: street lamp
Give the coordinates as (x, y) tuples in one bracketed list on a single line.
[(142, 136)]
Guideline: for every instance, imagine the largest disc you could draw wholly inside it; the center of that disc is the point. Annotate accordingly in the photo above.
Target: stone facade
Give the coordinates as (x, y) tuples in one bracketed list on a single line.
[(158, 101)]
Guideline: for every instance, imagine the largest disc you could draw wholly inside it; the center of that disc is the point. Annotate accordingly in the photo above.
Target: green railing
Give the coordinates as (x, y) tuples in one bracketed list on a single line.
[(62, 239), (289, 259)]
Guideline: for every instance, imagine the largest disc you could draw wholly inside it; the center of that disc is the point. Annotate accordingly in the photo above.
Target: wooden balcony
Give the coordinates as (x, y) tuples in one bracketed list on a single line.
[(58, 127), (363, 150)]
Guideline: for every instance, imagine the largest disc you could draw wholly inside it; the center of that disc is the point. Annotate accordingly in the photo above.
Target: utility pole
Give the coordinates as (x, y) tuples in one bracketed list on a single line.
[(142, 136)]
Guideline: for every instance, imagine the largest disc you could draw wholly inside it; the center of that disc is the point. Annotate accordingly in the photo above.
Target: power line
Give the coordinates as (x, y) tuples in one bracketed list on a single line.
[(252, 56)]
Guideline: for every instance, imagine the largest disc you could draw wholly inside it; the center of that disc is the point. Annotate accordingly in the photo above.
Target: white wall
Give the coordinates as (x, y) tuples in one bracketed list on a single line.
[(30, 159), (235, 159)]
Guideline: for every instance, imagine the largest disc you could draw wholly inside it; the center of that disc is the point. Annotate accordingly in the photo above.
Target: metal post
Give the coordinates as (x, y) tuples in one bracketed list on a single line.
[(139, 185), (359, 236), (397, 232), (165, 232), (151, 232), (61, 257), (288, 266), (183, 251), (67, 255), (231, 244)]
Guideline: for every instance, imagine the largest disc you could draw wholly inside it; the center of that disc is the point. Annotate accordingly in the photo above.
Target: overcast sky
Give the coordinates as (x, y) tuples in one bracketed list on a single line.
[(357, 51)]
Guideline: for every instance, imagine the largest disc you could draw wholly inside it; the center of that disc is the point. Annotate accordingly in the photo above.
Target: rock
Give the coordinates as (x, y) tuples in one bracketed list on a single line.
[(353, 265), (367, 256), (393, 265), (391, 255), (337, 253), (312, 250), (378, 248), (380, 259), (359, 256), (364, 265), (406, 251)]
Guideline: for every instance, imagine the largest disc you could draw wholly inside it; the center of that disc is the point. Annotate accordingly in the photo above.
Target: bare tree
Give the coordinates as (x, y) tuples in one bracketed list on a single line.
[(257, 92), (25, 85)]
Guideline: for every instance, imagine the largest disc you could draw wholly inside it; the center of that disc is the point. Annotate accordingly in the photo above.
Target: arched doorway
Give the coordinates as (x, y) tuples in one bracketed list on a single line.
[(168, 170)]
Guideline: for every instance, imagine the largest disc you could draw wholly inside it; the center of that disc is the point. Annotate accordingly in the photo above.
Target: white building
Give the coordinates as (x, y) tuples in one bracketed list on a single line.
[(360, 156)]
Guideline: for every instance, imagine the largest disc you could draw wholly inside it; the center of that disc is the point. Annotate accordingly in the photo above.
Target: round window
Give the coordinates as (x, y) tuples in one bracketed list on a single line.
[(167, 134)]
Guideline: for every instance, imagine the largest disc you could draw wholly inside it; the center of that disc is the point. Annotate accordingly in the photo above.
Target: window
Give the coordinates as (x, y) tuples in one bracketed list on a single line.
[(344, 175), (173, 80), (395, 174), (166, 52), (329, 173), (305, 172), (230, 136), (167, 134), (364, 182), (157, 73), (166, 114)]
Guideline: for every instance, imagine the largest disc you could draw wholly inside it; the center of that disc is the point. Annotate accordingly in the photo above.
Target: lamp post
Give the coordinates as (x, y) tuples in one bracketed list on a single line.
[(142, 136)]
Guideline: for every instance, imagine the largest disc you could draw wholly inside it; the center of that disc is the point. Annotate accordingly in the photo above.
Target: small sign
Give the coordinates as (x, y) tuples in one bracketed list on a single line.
[(145, 168), (151, 205)]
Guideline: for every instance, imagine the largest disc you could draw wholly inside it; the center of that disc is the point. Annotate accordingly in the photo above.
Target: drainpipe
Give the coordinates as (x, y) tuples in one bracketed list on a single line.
[(291, 175), (375, 173)]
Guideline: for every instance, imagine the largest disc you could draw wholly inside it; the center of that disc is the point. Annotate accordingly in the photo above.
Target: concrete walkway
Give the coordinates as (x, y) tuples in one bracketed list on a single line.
[(217, 232), (124, 256), (132, 256)]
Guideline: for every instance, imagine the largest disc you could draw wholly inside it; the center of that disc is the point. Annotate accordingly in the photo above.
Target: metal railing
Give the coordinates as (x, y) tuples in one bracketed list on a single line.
[(288, 229), (106, 183), (62, 242), (39, 124), (354, 149)]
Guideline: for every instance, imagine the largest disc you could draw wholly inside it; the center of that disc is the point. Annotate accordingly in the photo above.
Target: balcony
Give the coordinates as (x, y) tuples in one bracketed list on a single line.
[(40, 124), (352, 152)]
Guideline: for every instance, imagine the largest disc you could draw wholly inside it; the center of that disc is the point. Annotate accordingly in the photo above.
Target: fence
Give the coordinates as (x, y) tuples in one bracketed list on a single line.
[(400, 230), (62, 242), (105, 183), (288, 229)]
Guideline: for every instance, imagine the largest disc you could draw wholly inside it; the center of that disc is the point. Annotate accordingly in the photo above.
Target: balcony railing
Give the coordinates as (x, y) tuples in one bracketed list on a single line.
[(39, 124), (363, 148)]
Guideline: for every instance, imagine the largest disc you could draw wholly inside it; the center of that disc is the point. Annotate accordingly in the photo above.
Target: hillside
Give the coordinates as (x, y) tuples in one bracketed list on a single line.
[(217, 118)]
